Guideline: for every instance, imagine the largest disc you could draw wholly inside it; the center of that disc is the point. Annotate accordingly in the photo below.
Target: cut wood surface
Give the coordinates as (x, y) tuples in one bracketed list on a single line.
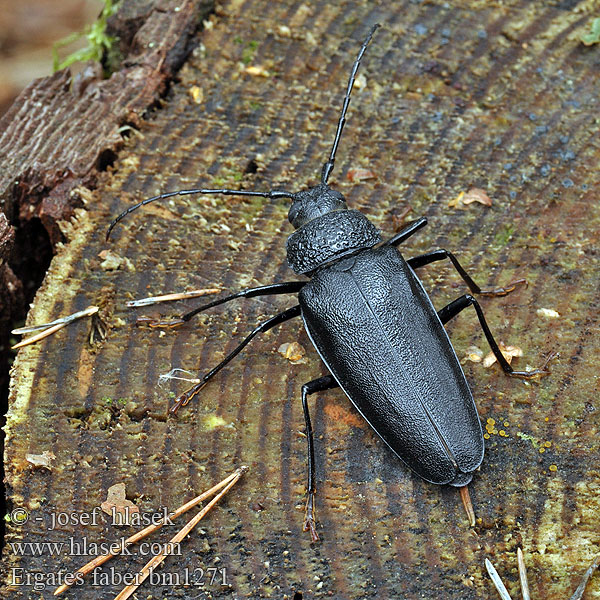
[(502, 97)]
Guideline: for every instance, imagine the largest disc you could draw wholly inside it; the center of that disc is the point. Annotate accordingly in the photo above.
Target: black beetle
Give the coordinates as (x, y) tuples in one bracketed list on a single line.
[(374, 327)]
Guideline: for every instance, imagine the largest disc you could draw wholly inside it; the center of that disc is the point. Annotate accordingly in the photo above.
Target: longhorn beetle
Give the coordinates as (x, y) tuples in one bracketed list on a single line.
[(375, 328)]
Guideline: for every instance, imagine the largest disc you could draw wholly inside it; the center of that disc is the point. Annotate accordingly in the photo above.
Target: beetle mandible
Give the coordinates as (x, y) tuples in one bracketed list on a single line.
[(375, 328)]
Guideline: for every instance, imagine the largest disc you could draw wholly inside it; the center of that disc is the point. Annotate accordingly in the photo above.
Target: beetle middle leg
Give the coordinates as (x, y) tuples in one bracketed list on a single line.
[(452, 309), (286, 315), (317, 385), (441, 254)]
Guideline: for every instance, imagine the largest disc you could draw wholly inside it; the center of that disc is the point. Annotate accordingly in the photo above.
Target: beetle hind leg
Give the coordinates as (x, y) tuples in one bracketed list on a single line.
[(441, 254), (317, 385), (450, 311)]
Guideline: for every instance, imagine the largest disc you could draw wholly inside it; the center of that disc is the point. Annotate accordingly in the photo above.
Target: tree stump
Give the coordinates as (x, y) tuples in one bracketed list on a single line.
[(500, 98)]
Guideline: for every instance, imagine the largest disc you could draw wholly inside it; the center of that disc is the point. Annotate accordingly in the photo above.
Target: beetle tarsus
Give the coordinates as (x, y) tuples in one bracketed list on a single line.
[(185, 398), (310, 523), (503, 291), (540, 372)]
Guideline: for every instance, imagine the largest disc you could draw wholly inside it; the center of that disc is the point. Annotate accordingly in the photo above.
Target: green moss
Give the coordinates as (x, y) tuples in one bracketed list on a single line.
[(593, 37), (100, 417), (249, 51), (99, 43), (228, 176), (504, 234), (213, 421)]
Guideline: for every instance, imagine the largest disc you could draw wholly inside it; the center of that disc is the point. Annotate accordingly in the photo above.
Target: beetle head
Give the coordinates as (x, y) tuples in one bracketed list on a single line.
[(314, 202)]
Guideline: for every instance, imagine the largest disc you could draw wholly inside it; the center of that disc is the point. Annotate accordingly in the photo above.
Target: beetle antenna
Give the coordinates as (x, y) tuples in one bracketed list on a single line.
[(328, 166), (269, 194)]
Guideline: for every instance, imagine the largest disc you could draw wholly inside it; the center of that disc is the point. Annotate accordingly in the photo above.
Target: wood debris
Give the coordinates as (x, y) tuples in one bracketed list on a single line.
[(473, 195)]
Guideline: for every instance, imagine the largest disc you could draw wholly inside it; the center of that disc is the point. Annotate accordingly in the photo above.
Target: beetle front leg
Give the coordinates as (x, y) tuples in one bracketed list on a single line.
[(287, 287), (426, 259), (409, 230), (317, 385), (450, 311)]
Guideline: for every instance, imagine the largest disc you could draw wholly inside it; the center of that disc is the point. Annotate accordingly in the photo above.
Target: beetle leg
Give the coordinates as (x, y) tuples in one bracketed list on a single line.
[(317, 385), (425, 259), (450, 311), (286, 315), (409, 230), (288, 287)]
